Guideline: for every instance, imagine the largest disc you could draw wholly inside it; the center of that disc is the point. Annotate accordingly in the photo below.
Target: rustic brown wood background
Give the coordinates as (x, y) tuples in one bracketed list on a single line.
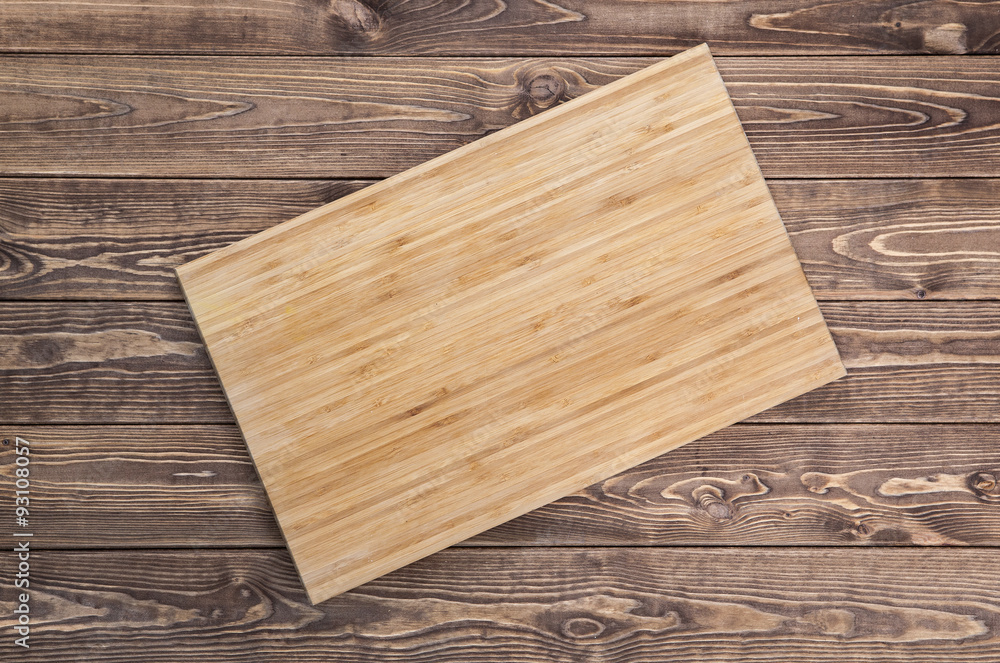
[(857, 523)]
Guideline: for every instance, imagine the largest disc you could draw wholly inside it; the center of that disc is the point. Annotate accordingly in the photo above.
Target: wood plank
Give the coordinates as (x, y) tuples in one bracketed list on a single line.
[(528, 604), (86, 239), (363, 117), (483, 334), (895, 239), (938, 364), (481, 27), (93, 238), (194, 486), (141, 486), (95, 362), (118, 362)]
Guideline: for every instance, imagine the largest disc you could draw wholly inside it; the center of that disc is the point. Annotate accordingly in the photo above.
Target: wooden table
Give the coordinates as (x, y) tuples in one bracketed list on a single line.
[(855, 523)]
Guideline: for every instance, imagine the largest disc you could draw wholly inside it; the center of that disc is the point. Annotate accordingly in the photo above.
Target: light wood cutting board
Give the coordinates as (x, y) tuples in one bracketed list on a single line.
[(509, 323)]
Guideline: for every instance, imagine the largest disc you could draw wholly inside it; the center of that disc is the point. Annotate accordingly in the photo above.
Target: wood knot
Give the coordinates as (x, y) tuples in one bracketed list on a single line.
[(984, 481), (582, 627), (546, 90), (984, 485), (538, 91), (354, 18), (717, 497), (716, 509)]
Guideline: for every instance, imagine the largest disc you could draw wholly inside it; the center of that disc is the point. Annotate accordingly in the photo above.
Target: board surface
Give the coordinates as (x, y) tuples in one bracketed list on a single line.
[(508, 323)]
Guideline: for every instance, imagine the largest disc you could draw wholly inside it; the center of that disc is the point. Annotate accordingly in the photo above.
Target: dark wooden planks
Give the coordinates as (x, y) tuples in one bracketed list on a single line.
[(92, 238), (194, 486), (364, 117), (106, 362), (483, 27), (528, 604), (148, 488)]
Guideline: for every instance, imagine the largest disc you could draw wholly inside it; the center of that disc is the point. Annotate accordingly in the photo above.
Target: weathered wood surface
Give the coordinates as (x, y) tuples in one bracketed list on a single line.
[(194, 486), (362, 117), (527, 604), (82, 238), (107, 362), (483, 27), (113, 487)]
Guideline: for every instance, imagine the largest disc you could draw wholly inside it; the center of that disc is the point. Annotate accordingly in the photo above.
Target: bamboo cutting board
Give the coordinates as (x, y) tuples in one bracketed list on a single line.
[(504, 325)]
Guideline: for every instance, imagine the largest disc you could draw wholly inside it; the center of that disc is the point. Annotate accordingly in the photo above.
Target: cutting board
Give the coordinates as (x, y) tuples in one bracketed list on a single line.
[(509, 323)]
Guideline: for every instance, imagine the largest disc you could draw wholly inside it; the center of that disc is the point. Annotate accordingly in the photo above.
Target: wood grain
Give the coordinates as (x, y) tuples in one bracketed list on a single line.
[(139, 487), (362, 117), (102, 363), (895, 239), (528, 604), (117, 362), (481, 27), (485, 333), (67, 238), (789, 485), (113, 486), (90, 238), (942, 364), (194, 486)]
